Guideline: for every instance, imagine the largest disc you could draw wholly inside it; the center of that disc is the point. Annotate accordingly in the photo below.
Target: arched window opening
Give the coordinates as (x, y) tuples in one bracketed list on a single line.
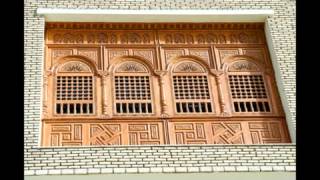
[(132, 89), (191, 89), (248, 88), (74, 89)]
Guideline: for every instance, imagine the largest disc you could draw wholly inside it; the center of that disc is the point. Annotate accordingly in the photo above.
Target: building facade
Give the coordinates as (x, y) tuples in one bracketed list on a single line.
[(210, 92)]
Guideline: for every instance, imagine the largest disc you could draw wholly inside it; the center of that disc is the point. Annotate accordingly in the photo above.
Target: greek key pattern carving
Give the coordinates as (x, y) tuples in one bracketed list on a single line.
[(227, 133), (66, 135), (135, 132), (144, 134), (105, 134), (266, 132)]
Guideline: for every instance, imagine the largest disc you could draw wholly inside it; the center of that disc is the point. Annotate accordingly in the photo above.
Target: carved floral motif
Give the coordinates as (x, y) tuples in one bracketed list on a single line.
[(189, 67), (131, 67), (74, 66), (243, 66)]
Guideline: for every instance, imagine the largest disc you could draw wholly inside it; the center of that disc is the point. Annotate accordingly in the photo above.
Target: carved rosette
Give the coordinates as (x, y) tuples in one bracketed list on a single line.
[(131, 66), (189, 67), (74, 66), (243, 66)]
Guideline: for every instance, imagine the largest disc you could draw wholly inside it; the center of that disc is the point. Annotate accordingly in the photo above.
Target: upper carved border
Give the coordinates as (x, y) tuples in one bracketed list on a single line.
[(155, 26)]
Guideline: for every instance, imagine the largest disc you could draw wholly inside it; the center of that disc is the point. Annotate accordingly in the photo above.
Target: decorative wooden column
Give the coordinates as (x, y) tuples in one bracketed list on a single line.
[(46, 76), (164, 105), (104, 82), (218, 76)]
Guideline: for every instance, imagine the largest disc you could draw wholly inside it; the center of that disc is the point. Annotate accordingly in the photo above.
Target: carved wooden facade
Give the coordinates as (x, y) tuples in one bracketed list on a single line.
[(132, 84)]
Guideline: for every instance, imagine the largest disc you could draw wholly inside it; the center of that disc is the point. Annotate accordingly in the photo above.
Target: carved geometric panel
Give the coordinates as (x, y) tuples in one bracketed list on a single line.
[(112, 53), (90, 53), (147, 133), (105, 134), (267, 132), (227, 133), (173, 53), (257, 54), (153, 132), (188, 133), (227, 53), (146, 54), (201, 53), (66, 135), (58, 53)]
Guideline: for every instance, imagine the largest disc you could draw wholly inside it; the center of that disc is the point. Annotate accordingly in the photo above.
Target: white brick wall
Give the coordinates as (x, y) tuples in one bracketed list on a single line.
[(166, 159)]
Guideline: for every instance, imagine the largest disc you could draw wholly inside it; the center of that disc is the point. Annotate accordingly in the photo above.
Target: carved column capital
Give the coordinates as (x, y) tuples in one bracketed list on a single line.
[(103, 74), (216, 73), (48, 73), (160, 73)]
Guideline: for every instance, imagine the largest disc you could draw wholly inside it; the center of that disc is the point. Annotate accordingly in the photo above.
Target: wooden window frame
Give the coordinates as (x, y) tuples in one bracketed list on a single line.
[(210, 100), (267, 89), (115, 101)]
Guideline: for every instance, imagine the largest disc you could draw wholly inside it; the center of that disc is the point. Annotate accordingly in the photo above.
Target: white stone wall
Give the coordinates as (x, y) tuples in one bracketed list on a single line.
[(164, 158), (161, 159)]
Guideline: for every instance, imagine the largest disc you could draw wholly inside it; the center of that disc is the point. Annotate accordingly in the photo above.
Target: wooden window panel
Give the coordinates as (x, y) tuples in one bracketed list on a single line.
[(74, 94), (249, 93), (133, 94), (192, 94)]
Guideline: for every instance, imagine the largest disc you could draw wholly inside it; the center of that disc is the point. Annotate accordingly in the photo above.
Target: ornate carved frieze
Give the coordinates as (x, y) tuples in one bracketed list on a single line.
[(100, 37), (210, 37), (154, 26)]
